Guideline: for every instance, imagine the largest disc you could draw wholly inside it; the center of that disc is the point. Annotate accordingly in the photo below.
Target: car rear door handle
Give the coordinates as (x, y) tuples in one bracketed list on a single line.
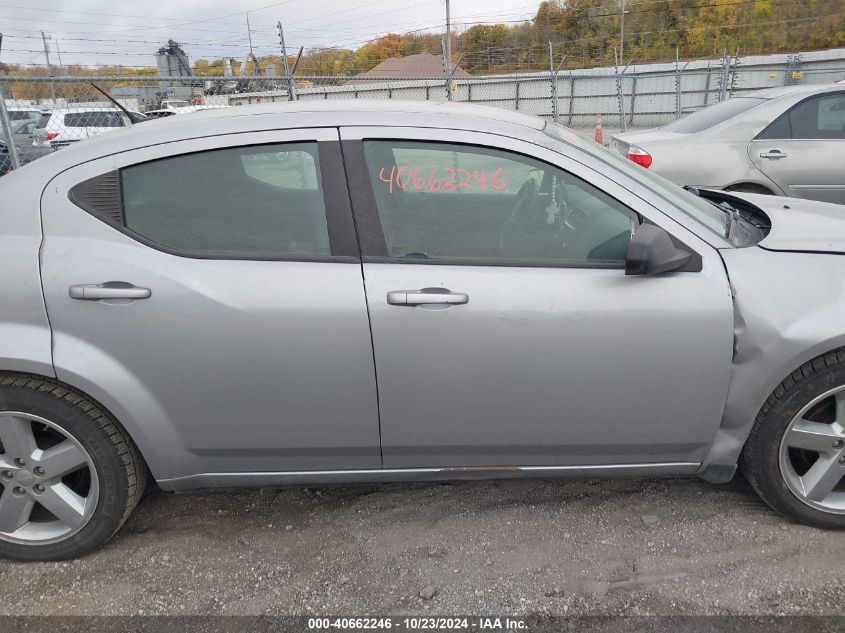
[(773, 153), (426, 296), (109, 290)]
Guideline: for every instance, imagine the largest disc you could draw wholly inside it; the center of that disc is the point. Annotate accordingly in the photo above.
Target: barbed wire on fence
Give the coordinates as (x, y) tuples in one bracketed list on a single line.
[(58, 111)]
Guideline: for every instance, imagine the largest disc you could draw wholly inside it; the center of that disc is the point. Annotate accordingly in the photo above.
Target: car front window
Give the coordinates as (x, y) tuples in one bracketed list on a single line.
[(697, 208), (467, 203)]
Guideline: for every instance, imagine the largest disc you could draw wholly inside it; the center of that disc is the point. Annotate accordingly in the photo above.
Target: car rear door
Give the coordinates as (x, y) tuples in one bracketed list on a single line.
[(802, 151), (209, 293), (501, 342)]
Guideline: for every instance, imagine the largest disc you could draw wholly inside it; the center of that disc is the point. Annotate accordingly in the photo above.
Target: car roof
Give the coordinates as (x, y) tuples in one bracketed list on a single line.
[(301, 114), (419, 109), (783, 91)]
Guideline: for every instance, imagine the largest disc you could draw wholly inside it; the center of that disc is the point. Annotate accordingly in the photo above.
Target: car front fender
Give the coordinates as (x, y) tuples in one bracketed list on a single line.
[(788, 310)]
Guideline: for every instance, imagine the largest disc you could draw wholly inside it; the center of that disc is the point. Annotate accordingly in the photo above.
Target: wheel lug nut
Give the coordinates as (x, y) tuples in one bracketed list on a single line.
[(19, 490), (38, 470), (20, 461), (837, 444), (39, 488), (842, 460), (8, 474)]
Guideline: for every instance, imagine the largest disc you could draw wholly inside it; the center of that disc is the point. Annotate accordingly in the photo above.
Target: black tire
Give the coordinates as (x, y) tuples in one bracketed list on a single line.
[(760, 460), (121, 472)]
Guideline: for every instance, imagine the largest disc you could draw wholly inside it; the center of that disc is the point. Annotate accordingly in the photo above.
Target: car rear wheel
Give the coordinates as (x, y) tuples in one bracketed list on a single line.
[(69, 475), (795, 455)]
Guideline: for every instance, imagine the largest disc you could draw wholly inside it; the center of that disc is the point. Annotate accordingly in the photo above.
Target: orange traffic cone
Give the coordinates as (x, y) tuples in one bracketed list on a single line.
[(599, 137)]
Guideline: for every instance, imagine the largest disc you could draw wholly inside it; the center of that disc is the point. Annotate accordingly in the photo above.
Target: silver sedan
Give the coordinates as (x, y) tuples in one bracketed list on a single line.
[(330, 292), (784, 141)]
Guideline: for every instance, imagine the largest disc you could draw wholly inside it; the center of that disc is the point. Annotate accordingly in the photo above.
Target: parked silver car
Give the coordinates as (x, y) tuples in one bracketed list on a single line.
[(784, 141), (26, 153), (390, 291)]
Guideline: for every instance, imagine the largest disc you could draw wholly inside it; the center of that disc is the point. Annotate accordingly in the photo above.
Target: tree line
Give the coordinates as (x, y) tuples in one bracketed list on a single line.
[(586, 32)]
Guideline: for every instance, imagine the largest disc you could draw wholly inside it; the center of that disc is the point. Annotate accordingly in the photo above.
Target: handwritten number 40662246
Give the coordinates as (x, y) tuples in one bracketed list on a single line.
[(405, 177)]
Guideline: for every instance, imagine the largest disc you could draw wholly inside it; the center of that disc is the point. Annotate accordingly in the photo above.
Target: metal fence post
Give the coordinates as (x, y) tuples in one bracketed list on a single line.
[(553, 83), (733, 74), (723, 76), (14, 159), (553, 77), (288, 73), (633, 100), (678, 72), (620, 96)]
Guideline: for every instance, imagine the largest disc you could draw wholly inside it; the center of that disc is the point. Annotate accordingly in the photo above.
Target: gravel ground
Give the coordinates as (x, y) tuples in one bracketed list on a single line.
[(508, 547)]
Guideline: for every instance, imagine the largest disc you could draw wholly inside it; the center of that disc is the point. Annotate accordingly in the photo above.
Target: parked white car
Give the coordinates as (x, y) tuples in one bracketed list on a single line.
[(23, 114), (59, 128)]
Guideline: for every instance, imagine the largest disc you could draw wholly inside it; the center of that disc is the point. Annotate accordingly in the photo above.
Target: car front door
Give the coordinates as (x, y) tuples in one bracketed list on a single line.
[(504, 328), (209, 294), (802, 151)]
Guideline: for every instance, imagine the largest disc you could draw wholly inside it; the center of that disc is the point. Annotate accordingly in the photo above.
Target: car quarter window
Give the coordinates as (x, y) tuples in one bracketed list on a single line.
[(443, 201), (820, 117), (259, 201)]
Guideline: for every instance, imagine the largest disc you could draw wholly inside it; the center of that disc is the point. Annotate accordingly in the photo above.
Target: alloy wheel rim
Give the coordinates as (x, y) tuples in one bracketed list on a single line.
[(49, 487), (812, 453)]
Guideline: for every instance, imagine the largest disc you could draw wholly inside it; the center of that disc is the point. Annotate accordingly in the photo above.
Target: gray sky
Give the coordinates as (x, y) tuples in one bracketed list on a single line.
[(128, 32)]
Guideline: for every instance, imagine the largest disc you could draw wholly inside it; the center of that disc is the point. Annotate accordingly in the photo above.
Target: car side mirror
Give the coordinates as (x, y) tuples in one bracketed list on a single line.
[(651, 252)]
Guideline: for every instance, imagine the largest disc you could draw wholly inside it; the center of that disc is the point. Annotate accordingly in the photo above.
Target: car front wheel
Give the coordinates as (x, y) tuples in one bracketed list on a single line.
[(795, 455), (69, 474)]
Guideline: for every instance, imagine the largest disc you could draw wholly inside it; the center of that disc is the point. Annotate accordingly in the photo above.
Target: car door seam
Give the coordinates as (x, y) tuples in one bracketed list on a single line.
[(366, 296), (41, 241)]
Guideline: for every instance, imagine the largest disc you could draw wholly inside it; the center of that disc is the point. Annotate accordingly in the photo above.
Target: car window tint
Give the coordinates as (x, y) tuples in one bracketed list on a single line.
[(821, 117), (93, 119), (25, 128), (263, 201), (23, 115), (713, 115), (780, 129), (461, 202)]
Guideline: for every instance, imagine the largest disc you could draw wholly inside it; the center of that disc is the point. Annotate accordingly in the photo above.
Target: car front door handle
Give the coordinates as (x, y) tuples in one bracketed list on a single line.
[(426, 296), (109, 290), (773, 153)]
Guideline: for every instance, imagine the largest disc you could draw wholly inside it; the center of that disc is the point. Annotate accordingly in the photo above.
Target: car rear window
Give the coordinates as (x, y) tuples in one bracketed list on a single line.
[(43, 121), (22, 115), (93, 119), (713, 115), (262, 201)]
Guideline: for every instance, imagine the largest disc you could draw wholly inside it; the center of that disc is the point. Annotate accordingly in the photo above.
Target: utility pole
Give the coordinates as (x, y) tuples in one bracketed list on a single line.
[(448, 35), (59, 53), (622, 33), (49, 67), (288, 76), (46, 53), (448, 50), (249, 35)]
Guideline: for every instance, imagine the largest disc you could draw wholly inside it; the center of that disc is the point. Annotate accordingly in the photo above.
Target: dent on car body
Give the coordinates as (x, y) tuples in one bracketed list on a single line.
[(785, 305)]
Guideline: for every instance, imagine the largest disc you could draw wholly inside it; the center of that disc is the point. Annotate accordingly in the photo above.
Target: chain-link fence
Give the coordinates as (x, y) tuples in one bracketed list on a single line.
[(48, 113)]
